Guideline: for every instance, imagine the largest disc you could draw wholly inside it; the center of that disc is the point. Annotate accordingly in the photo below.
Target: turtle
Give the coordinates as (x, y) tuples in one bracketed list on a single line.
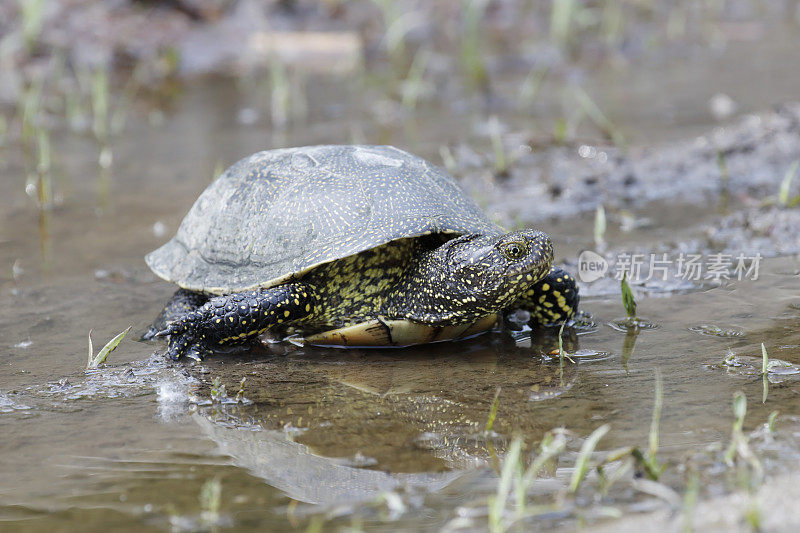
[(347, 245)]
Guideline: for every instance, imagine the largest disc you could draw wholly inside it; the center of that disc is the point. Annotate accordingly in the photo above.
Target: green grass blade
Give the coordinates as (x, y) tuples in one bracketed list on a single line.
[(91, 351), (498, 504), (771, 421), (582, 463), (107, 349), (551, 446), (561, 15), (598, 117), (599, 225), (628, 300), (786, 183)]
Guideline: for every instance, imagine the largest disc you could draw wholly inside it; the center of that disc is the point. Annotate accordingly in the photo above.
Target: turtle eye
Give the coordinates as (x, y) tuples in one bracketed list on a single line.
[(515, 250)]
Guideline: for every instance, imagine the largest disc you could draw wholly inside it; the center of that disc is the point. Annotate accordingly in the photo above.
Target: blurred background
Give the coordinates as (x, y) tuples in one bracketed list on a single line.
[(542, 109)]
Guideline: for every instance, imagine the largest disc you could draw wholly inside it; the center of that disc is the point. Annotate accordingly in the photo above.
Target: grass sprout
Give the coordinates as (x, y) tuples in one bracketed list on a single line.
[(29, 109), (739, 447), (44, 178), (628, 300), (553, 443), (95, 361), (764, 373), (608, 480), (561, 16), (690, 501), (582, 463), (472, 59), (786, 185), (500, 158), (32, 13), (280, 93), (649, 462), (722, 165), (397, 25), (533, 84), (599, 225), (497, 503), (100, 104), (753, 514), (414, 85), (218, 391), (561, 352), (394, 504), (771, 421), (613, 23), (3, 129), (240, 392), (598, 117), (448, 159)]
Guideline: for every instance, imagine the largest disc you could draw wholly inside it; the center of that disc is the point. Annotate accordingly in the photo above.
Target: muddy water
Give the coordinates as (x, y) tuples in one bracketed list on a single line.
[(130, 446)]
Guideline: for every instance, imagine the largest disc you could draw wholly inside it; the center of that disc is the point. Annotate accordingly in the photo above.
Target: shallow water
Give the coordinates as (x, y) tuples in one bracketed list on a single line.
[(130, 446)]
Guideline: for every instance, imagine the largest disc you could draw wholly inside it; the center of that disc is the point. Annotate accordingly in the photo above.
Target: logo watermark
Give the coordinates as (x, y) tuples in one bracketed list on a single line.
[(591, 266), (717, 267)]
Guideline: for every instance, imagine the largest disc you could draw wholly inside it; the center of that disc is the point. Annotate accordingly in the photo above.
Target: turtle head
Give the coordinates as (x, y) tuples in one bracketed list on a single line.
[(471, 276)]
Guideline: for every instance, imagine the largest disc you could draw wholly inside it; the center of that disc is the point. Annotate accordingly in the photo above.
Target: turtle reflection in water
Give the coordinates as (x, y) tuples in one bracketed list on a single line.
[(347, 245), (372, 421)]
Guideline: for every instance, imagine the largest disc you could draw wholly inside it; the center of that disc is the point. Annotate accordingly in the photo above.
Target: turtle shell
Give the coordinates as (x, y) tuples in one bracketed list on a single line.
[(279, 213)]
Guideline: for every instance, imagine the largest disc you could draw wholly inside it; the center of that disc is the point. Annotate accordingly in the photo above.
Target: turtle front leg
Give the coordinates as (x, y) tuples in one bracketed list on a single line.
[(237, 318), (182, 302), (551, 300)]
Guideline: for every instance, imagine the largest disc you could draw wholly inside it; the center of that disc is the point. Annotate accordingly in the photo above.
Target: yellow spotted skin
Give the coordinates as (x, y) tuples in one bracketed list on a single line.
[(553, 299), (470, 277), (354, 289), (424, 280)]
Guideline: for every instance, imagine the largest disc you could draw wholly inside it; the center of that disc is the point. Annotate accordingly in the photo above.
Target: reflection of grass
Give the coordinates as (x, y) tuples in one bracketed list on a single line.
[(493, 411), (210, 501)]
